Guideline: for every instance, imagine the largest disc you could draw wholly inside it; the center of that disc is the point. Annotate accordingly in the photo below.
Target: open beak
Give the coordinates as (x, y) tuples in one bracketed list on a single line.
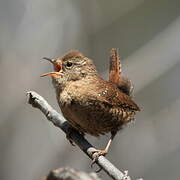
[(57, 67)]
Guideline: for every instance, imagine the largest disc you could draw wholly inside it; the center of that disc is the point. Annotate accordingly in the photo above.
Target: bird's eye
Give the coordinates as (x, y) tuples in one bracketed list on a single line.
[(69, 64)]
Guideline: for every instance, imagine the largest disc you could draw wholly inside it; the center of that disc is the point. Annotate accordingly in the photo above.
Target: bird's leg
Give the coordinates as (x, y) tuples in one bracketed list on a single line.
[(103, 152)]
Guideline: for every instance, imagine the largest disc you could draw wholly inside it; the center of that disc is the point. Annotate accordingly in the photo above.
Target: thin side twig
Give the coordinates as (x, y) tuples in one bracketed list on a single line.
[(52, 115)]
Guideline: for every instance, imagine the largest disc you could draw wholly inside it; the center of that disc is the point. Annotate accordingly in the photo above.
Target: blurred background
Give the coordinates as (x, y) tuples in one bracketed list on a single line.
[(147, 33)]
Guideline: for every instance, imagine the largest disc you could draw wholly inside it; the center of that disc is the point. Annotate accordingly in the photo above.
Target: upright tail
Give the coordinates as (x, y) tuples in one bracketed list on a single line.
[(115, 73)]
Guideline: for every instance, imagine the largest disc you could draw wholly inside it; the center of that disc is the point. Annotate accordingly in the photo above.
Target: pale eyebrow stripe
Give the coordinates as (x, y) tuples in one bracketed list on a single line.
[(82, 62)]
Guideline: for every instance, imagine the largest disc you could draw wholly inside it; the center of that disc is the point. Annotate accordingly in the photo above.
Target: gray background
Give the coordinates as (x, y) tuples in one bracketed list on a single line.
[(147, 33)]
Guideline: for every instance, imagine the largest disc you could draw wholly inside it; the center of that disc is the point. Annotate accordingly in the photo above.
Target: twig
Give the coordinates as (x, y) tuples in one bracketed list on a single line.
[(52, 115)]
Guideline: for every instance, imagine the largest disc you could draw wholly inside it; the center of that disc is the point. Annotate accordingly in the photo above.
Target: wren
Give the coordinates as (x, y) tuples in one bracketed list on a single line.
[(91, 104)]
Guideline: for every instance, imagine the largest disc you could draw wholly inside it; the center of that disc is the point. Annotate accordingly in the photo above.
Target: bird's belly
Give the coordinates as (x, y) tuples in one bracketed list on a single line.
[(92, 122)]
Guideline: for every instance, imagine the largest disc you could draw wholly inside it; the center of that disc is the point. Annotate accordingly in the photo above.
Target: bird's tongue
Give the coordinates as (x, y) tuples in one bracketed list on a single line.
[(57, 67)]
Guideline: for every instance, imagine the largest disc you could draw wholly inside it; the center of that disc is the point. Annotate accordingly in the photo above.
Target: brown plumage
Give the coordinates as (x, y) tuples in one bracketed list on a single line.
[(90, 104), (115, 73)]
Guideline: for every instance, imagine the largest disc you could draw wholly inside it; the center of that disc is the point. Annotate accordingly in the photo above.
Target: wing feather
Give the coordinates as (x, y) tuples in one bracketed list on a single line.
[(110, 95)]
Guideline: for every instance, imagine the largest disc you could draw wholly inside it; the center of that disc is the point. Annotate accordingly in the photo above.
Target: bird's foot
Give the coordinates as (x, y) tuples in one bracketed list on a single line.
[(95, 156), (99, 152)]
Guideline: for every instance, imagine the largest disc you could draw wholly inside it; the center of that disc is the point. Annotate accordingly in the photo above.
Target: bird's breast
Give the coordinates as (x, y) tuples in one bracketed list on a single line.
[(95, 121)]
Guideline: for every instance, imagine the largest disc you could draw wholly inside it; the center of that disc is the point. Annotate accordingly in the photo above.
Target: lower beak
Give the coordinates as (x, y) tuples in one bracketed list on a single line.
[(52, 74)]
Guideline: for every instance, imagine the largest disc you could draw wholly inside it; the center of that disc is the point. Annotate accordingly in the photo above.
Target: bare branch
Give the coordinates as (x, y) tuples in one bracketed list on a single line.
[(52, 115)]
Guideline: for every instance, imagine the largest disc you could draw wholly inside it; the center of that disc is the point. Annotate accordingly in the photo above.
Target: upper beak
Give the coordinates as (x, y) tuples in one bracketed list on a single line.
[(56, 66), (49, 59)]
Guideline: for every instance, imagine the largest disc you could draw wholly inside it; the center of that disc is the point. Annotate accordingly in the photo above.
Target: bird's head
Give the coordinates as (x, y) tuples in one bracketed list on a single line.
[(71, 67)]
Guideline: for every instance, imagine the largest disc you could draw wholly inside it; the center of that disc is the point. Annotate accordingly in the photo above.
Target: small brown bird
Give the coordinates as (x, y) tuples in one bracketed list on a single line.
[(89, 103)]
